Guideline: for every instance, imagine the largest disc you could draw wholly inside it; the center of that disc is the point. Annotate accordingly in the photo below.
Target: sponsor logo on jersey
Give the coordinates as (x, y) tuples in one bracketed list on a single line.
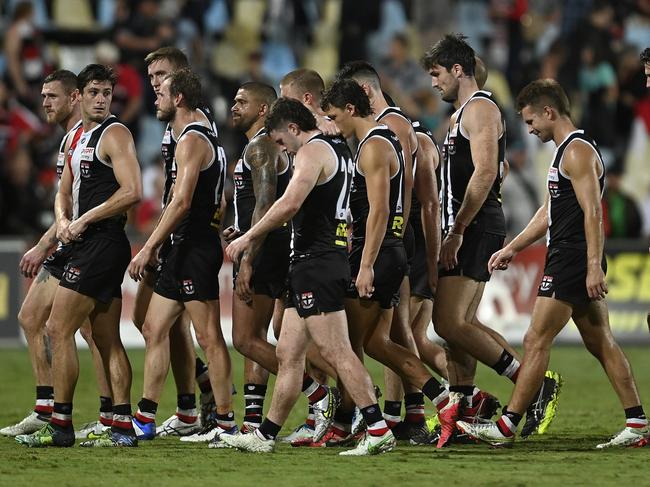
[(87, 154), (554, 189), (60, 163), (72, 274), (167, 137), (306, 300), (188, 286), (553, 174), (547, 283)]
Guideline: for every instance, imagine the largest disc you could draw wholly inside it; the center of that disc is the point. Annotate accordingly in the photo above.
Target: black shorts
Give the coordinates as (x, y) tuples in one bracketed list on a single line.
[(318, 284), (154, 270), (409, 246), (190, 271), (390, 269), (474, 254), (96, 266), (271, 267), (565, 275), (56, 262), (419, 272)]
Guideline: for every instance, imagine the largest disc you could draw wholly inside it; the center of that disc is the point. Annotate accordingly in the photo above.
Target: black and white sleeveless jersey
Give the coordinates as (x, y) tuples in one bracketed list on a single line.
[(323, 225), (566, 220), (359, 205), (397, 111), (94, 181), (245, 196), (457, 168), (203, 218), (414, 218), (74, 133), (168, 147)]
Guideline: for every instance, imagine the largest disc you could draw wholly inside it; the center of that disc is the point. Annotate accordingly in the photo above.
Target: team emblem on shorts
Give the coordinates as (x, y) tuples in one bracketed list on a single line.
[(306, 300), (72, 274), (188, 286), (547, 283)]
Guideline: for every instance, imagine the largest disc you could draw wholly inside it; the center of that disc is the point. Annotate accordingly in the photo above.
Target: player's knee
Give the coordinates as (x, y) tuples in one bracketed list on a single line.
[(533, 342), (27, 320), (287, 358), (206, 340), (242, 343), (86, 333), (151, 333)]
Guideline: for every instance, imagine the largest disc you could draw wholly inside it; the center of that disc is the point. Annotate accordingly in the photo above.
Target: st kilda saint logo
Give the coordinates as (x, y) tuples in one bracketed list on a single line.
[(547, 283), (188, 286), (72, 274), (85, 169), (306, 300)]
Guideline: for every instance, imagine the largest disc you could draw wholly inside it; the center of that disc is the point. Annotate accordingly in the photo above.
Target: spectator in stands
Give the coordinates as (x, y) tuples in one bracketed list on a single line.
[(128, 91), (26, 56), (621, 215)]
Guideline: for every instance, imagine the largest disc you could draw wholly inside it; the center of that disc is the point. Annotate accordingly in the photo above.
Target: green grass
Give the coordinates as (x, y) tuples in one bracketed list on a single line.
[(588, 413)]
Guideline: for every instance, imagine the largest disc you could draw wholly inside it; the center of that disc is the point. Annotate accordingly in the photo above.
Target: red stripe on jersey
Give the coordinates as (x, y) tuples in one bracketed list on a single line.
[(73, 144)]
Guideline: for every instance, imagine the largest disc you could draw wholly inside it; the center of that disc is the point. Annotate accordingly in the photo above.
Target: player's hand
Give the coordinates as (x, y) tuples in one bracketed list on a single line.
[(62, 232), (138, 265), (500, 259), (326, 126), (449, 250), (32, 260), (596, 285), (77, 228), (364, 282), (238, 247), (243, 281), (231, 233)]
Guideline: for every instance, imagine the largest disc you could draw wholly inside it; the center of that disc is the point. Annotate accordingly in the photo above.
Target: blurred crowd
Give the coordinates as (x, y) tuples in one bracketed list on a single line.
[(591, 46)]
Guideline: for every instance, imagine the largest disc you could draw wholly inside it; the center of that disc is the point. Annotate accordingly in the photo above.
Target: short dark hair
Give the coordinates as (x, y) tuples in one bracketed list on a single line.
[(287, 110), (95, 72), (263, 92), (305, 80), (67, 79), (645, 56), (345, 91), (451, 49), (360, 71), (175, 56), (543, 92), (185, 82)]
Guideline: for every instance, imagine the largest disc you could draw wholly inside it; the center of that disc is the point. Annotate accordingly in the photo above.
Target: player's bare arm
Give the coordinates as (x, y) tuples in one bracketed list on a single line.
[(191, 154), (63, 205), (482, 122), (426, 189), (31, 262), (581, 164), (308, 168), (375, 164), (118, 148)]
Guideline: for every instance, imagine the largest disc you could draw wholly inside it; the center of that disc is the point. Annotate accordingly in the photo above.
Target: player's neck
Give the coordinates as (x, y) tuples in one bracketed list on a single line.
[(304, 137), (89, 124), (71, 120), (256, 127), (182, 119), (363, 126), (467, 87), (378, 105), (563, 127)]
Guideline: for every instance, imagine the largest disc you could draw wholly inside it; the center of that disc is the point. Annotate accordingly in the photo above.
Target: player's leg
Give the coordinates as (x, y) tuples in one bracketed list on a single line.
[(97, 428), (162, 314), (592, 321), (69, 310), (549, 317), (32, 317)]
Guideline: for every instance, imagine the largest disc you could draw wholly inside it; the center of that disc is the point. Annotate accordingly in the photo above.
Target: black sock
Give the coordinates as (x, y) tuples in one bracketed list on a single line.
[(105, 404), (254, 399), (44, 392), (200, 367), (507, 365), (635, 412), (372, 414), (414, 405), (432, 388), (62, 416), (393, 408), (44, 400), (514, 418), (186, 401), (269, 430), (148, 406), (122, 415)]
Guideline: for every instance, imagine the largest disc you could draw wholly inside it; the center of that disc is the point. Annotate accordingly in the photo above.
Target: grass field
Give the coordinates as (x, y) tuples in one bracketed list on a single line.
[(588, 413)]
